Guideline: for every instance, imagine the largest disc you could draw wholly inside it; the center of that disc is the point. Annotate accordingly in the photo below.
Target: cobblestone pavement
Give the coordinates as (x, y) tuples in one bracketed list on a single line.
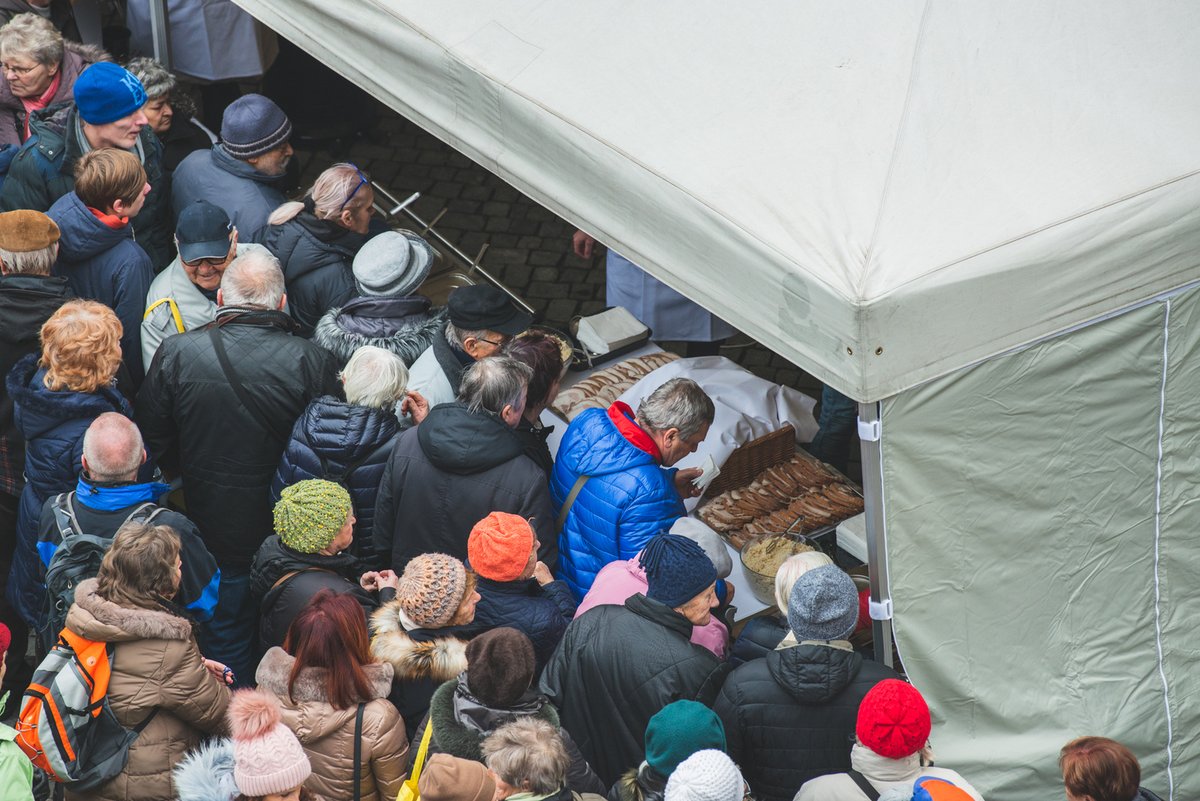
[(529, 247)]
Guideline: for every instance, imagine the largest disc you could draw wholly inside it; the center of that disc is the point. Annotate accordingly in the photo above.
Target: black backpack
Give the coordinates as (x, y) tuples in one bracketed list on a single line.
[(77, 559)]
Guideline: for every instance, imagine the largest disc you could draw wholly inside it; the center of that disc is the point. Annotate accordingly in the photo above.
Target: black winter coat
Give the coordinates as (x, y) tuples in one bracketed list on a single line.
[(317, 258), (642, 783), (759, 637), (279, 604), (26, 302), (331, 436), (446, 475), (615, 668), (187, 406), (540, 613), (790, 716), (461, 722)]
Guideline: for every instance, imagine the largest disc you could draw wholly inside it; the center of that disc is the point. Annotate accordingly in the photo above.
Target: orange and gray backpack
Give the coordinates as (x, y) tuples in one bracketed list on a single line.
[(66, 726)]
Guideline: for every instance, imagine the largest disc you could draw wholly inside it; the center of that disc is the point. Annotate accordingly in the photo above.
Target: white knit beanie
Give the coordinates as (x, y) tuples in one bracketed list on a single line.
[(267, 757), (707, 775)]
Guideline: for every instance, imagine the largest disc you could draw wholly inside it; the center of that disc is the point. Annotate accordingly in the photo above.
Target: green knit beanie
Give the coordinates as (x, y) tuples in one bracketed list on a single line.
[(310, 514), (679, 730)]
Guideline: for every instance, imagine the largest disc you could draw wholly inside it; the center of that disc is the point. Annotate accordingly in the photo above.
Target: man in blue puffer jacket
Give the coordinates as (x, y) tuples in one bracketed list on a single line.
[(627, 497)]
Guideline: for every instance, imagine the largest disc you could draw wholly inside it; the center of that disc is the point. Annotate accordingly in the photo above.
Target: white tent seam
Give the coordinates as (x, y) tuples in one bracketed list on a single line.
[(1162, 410), (1034, 232), (900, 130)]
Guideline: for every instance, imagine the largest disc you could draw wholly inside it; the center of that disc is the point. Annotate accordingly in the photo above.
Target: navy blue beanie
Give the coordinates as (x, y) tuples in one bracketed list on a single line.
[(105, 92), (677, 569)]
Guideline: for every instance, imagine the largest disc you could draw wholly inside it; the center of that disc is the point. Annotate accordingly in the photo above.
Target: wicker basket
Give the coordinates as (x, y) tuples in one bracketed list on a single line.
[(748, 460)]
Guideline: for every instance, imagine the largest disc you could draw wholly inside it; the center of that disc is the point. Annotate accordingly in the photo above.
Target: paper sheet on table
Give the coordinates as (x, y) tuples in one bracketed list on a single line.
[(747, 407)]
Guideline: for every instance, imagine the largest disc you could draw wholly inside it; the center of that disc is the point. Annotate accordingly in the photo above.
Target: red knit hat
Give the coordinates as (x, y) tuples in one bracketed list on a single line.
[(5, 639), (893, 719), (499, 546)]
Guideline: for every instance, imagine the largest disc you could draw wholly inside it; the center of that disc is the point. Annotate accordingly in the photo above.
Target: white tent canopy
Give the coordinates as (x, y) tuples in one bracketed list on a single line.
[(880, 192)]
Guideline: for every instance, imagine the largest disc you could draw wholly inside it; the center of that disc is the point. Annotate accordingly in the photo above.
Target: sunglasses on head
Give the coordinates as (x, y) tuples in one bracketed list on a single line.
[(362, 181)]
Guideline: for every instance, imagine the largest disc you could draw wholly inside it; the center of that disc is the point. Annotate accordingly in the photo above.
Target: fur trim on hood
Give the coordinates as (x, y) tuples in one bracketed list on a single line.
[(206, 774), (276, 667), (98, 619), (408, 342), (437, 658)]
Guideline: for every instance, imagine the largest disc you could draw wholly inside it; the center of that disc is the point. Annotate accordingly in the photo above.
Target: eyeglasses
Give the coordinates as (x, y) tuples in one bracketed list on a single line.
[(490, 342), (22, 71), (362, 181)]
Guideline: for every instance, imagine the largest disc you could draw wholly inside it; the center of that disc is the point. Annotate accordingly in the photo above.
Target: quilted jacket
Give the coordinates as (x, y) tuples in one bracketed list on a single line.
[(316, 256), (187, 408), (628, 499), (328, 437), (790, 716), (53, 424), (540, 613)]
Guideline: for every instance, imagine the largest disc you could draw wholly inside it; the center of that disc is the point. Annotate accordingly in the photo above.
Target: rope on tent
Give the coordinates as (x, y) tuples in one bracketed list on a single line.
[(1162, 408)]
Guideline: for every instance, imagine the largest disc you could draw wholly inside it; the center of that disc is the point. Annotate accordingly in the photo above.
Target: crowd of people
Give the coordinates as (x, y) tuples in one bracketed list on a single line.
[(314, 524)]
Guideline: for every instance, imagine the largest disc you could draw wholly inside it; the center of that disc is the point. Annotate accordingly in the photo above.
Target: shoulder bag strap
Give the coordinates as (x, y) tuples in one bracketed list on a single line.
[(569, 502), (243, 396), (358, 727), (419, 764), (864, 785)]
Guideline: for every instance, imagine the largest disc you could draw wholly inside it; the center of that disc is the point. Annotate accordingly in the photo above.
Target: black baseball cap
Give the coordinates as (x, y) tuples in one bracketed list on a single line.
[(484, 307), (203, 232)]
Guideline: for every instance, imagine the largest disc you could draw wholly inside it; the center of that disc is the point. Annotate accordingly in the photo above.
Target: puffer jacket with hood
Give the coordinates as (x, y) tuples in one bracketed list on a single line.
[(247, 195), (53, 424), (404, 326), (76, 58), (446, 475), (317, 257), (105, 264), (44, 170), (155, 666), (331, 436), (327, 733), (280, 601), (421, 659), (628, 499), (461, 722), (883, 774), (790, 716)]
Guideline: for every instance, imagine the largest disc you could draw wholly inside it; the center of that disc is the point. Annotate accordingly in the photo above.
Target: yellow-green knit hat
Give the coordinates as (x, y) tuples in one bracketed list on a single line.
[(310, 514)]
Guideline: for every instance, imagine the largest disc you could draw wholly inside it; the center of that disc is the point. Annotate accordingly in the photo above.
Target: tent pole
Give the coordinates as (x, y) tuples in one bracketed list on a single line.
[(869, 431)]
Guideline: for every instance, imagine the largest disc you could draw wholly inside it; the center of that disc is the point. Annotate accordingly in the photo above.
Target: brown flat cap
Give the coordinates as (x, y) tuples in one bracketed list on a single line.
[(23, 231), (447, 778)]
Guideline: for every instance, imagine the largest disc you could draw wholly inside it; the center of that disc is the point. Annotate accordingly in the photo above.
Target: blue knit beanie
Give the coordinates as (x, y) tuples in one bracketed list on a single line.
[(679, 730), (677, 569), (823, 605), (105, 92)]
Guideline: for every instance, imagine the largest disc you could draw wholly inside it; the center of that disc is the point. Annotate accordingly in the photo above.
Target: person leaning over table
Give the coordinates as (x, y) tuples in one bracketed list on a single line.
[(610, 483)]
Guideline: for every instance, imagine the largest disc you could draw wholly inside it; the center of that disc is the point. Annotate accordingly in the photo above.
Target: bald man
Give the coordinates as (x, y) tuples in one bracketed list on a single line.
[(109, 494)]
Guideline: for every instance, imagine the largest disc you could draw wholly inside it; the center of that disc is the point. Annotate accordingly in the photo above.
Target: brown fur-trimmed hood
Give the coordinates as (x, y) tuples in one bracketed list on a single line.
[(98, 619), (437, 658), (276, 667)]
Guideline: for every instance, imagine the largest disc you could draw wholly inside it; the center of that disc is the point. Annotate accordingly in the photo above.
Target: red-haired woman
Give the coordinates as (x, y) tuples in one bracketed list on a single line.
[(322, 675), (1100, 769)]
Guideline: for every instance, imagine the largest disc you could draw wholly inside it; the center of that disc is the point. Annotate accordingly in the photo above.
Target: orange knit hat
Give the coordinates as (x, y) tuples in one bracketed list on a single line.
[(499, 546)]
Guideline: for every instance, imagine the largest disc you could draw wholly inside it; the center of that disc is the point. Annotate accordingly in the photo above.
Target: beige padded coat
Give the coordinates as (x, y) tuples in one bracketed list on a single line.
[(155, 664), (327, 733)]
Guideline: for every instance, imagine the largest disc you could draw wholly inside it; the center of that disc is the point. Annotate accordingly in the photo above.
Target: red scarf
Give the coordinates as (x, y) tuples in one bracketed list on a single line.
[(111, 220), (38, 103), (623, 418)]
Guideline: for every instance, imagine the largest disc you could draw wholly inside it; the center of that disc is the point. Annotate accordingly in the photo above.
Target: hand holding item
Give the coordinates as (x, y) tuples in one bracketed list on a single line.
[(685, 482)]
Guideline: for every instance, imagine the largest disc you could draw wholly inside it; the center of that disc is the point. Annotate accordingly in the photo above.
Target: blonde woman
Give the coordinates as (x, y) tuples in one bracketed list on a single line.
[(761, 635), (55, 398), (316, 240)]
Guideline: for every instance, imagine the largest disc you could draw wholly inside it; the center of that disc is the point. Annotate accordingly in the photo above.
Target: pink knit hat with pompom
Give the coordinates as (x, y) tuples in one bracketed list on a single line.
[(267, 757)]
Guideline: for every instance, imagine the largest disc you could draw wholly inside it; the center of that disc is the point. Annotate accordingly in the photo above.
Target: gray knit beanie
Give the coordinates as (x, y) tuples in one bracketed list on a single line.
[(253, 125), (823, 605)]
